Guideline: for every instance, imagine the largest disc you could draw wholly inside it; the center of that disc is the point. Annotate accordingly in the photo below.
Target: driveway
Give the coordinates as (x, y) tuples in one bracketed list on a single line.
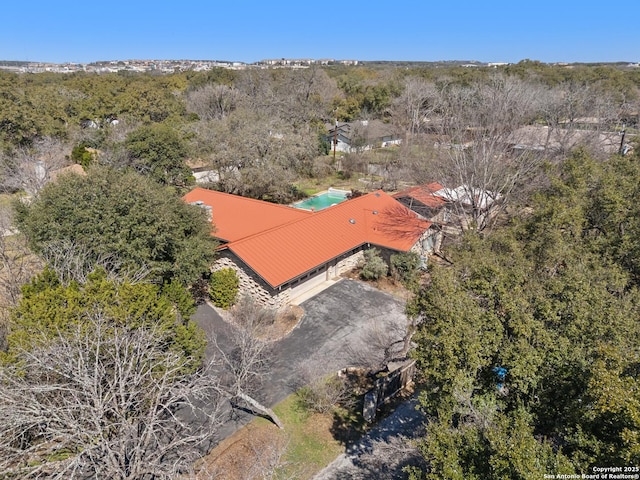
[(384, 451), (334, 326)]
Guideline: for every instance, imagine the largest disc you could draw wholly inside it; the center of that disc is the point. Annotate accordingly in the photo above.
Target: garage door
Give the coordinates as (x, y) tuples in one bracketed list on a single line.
[(308, 284)]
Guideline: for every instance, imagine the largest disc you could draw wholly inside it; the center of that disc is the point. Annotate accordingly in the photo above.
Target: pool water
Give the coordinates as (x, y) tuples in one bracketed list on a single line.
[(321, 201)]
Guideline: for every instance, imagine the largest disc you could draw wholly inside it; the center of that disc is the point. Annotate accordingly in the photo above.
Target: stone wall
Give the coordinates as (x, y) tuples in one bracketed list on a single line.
[(348, 263), (420, 248), (251, 284)]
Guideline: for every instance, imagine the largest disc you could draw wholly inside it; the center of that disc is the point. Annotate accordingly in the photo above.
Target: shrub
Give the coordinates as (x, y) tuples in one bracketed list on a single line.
[(405, 266), (323, 394), (223, 287), (83, 154), (373, 266)]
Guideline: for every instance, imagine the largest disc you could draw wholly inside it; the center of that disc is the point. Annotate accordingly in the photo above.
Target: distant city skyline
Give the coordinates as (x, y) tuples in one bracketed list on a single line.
[(247, 31)]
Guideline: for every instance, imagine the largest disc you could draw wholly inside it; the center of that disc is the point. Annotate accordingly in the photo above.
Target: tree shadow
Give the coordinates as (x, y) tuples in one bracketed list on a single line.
[(348, 423), (237, 410)]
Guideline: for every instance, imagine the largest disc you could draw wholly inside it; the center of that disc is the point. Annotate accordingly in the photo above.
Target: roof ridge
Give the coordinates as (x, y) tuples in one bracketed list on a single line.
[(324, 211), (249, 199)]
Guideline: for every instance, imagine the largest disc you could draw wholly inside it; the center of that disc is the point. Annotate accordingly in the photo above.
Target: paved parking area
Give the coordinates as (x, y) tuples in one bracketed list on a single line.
[(334, 323)]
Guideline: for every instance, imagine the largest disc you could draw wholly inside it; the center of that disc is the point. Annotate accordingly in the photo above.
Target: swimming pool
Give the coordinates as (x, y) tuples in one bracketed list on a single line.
[(322, 201)]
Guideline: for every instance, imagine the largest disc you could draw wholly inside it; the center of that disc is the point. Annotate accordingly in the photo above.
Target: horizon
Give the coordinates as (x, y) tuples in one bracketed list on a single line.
[(222, 60), (249, 32)]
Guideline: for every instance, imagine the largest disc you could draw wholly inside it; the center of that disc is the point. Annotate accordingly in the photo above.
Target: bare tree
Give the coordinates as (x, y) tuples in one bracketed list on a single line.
[(258, 455), (385, 459), (306, 95), (73, 262), (31, 168), (415, 108), (321, 391), (576, 114), (297, 97), (380, 344), (245, 360), (255, 155), (268, 459), (474, 155), (17, 266), (104, 401), (213, 102)]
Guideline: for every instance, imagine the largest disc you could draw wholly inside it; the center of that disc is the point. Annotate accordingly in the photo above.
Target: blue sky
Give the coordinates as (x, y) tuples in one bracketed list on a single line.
[(248, 31)]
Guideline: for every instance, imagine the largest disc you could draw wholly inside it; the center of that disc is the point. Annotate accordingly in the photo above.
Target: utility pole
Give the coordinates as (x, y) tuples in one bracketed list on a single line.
[(621, 149), (335, 140)]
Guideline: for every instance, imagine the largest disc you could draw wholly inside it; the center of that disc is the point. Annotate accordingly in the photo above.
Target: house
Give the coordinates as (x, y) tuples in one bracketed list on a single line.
[(361, 135), (470, 207), (450, 208), (541, 138), (424, 202), (280, 252)]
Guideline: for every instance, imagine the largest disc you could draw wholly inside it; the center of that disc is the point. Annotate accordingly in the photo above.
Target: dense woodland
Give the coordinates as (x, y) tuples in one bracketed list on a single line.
[(99, 355)]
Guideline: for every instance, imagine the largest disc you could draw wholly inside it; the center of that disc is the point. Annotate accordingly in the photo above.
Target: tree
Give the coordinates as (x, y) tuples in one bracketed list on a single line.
[(104, 400), (30, 168), (159, 151), (549, 303), (83, 154), (373, 267), (111, 213), (223, 288), (405, 266), (478, 447), (367, 93), (246, 357), (49, 308)]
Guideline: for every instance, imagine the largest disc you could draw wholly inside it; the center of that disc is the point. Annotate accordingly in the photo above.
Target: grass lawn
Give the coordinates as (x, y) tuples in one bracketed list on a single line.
[(311, 440), (305, 446), (308, 443), (5, 200), (311, 187)]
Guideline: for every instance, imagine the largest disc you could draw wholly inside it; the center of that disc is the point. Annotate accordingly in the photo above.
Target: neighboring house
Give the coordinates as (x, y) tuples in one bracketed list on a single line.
[(205, 175), (281, 252), (561, 140), (469, 207), (202, 171), (424, 202), (450, 208), (361, 135)]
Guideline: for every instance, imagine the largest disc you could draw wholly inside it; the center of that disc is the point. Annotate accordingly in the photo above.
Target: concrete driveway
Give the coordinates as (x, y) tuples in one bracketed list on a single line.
[(334, 324)]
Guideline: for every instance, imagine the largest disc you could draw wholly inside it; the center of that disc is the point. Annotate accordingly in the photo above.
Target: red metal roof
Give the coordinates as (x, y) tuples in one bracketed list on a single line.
[(236, 217), (283, 252), (424, 194)]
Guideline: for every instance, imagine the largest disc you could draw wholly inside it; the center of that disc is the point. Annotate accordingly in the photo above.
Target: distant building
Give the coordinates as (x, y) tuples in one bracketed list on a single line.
[(361, 135)]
